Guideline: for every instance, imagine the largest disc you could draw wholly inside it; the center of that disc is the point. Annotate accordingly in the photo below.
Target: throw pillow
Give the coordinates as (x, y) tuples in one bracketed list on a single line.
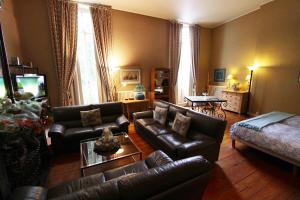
[(181, 124), (91, 117), (160, 115)]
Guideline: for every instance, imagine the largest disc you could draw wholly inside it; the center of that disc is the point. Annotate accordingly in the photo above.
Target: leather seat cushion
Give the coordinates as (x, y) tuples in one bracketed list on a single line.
[(145, 121), (112, 126), (157, 129), (195, 135), (77, 185), (133, 168), (80, 133), (171, 141)]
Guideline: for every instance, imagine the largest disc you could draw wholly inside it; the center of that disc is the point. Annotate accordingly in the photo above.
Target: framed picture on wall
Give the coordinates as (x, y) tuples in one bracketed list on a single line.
[(130, 76), (219, 75)]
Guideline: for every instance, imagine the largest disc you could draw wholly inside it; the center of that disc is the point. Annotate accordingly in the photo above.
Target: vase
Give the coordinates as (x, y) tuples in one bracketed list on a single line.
[(139, 96)]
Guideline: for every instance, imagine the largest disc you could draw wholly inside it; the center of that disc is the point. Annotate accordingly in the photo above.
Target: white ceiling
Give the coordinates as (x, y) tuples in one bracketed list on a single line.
[(208, 13)]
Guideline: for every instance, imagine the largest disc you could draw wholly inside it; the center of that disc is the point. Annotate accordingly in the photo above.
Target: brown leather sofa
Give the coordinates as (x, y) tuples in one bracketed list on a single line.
[(157, 177), (67, 130), (204, 136)]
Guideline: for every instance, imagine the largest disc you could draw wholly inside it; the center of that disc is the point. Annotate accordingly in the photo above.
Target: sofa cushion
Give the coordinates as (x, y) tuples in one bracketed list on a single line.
[(109, 108), (145, 121), (169, 142), (196, 146), (132, 168), (173, 110), (160, 115), (76, 185), (157, 158), (71, 124), (112, 126), (91, 117), (181, 124), (157, 129), (207, 125), (161, 104), (77, 134), (68, 113)]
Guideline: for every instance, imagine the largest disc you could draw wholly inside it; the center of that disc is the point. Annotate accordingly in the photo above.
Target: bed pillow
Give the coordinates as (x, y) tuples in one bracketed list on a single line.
[(91, 117), (160, 115), (181, 124)]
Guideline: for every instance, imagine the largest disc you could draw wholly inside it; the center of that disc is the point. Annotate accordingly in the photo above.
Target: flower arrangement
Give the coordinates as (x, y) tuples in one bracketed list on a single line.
[(20, 120)]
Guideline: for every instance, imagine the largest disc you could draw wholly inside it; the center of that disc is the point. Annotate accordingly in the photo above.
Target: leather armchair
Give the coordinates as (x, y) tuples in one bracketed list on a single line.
[(158, 177), (204, 135), (67, 130)]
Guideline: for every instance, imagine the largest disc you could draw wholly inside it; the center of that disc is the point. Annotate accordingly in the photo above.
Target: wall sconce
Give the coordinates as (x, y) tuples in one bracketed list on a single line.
[(229, 78), (250, 77)]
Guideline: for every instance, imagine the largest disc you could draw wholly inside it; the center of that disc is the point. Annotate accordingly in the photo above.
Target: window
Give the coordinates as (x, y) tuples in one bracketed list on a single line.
[(86, 54), (184, 80)]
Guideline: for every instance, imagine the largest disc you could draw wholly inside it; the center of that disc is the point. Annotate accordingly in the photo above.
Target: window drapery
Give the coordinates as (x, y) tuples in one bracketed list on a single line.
[(175, 32), (63, 27), (103, 36)]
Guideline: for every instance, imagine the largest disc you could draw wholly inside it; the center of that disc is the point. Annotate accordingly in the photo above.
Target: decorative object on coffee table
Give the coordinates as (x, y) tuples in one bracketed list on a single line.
[(107, 143), (92, 161)]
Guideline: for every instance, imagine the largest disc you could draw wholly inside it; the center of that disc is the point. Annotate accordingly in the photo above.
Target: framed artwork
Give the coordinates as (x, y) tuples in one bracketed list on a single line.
[(219, 75), (130, 76)]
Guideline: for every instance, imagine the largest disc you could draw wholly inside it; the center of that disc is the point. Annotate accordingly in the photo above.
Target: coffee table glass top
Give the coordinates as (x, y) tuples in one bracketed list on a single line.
[(90, 158)]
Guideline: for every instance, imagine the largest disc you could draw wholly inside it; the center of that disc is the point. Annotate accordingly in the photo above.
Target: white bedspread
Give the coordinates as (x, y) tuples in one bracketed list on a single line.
[(282, 138)]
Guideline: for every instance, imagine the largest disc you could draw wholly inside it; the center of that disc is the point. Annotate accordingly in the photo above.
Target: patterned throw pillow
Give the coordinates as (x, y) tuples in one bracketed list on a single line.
[(160, 115), (181, 124), (91, 117)]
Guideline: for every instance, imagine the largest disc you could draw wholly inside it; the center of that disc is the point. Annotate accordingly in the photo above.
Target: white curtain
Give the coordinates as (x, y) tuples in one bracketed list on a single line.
[(88, 89), (184, 86)]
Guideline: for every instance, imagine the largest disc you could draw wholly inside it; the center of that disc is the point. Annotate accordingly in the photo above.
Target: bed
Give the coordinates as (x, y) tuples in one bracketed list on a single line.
[(280, 137)]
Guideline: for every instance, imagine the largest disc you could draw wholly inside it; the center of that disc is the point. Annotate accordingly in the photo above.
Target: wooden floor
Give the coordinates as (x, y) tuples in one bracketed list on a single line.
[(239, 174)]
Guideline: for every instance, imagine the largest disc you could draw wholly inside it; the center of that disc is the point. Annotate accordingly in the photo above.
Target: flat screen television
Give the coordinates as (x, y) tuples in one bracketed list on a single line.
[(2, 88), (33, 83)]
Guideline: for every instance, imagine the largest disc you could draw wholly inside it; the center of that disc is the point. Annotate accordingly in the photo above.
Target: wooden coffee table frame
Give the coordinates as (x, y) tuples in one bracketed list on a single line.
[(132, 155)]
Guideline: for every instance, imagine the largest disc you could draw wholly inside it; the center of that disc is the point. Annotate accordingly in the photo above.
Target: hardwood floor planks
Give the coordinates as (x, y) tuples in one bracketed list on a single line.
[(240, 174)]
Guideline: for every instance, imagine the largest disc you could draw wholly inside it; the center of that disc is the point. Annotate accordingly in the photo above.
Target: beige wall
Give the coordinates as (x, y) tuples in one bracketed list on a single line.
[(10, 30), (270, 38), (204, 62), (139, 42)]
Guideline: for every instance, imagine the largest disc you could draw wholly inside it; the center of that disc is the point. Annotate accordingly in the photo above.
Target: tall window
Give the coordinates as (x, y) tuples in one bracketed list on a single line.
[(86, 55), (184, 80)]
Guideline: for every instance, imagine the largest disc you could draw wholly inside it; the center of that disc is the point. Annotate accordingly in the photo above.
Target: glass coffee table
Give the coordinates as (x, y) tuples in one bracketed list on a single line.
[(91, 159)]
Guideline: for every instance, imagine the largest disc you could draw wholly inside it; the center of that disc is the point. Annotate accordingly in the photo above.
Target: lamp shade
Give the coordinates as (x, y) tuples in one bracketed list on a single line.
[(229, 77), (253, 67)]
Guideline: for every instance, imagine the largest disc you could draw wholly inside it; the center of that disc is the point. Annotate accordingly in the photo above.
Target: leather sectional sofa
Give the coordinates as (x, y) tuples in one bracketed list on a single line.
[(157, 177), (204, 136), (67, 130)]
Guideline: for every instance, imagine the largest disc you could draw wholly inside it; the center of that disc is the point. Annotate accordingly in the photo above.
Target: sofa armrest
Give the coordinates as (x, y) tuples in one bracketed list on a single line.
[(56, 130), (157, 158), (122, 121), (29, 193), (144, 114)]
